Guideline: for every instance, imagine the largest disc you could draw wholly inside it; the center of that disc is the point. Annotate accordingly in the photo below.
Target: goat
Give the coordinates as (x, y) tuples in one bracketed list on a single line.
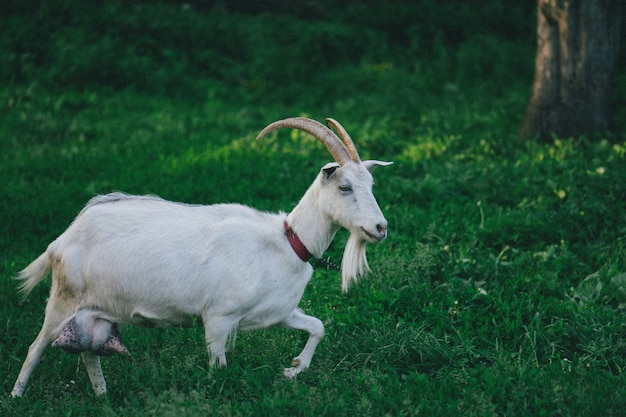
[(147, 261)]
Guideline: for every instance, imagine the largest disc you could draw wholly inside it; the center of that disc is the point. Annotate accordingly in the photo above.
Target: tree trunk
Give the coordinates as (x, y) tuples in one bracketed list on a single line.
[(577, 47)]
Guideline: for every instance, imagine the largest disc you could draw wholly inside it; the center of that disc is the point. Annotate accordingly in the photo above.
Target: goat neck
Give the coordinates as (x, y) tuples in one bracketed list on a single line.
[(307, 220)]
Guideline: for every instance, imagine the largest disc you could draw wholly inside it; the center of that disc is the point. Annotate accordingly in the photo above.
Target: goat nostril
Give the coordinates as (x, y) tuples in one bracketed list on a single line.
[(382, 229)]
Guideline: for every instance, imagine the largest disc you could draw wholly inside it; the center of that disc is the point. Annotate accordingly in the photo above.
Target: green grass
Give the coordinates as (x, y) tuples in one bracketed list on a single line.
[(501, 289)]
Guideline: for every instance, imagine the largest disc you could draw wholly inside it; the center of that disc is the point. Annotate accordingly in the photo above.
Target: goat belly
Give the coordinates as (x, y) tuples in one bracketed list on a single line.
[(163, 318)]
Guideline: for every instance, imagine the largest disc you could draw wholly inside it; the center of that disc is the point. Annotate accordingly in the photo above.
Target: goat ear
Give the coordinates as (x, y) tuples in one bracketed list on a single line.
[(329, 169), (370, 165)]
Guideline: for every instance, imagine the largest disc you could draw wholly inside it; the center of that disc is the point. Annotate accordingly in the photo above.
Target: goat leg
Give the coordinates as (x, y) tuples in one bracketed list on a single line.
[(300, 321)]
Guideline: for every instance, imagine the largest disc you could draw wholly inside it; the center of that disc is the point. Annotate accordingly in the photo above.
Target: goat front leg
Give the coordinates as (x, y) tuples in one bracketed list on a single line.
[(216, 332), (94, 370), (300, 321)]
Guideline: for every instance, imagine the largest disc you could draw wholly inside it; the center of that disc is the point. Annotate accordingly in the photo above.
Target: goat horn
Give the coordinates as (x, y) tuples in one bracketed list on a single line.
[(335, 146), (345, 137)]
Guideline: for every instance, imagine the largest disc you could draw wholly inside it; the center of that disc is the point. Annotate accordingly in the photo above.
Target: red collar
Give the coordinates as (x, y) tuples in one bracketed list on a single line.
[(297, 245)]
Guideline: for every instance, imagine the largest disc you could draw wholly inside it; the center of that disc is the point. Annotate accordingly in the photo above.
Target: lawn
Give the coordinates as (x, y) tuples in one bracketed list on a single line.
[(501, 289)]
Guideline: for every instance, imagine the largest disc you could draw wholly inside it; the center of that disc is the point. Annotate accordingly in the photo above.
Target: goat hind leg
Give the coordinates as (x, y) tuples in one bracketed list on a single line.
[(300, 321), (94, 370), (33, 357), (56, 313)]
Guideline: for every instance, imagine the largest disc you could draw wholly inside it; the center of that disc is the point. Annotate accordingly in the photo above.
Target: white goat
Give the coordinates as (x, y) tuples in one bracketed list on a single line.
[(143, 260)]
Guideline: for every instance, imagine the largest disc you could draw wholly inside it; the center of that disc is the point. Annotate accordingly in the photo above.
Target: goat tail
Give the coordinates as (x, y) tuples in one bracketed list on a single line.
[(34, 273)]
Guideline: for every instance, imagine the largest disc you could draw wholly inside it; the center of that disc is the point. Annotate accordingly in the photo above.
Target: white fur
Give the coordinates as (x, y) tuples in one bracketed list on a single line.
[(147, 261)]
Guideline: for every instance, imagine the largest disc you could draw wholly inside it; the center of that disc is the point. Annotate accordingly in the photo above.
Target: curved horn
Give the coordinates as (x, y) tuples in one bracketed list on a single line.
[(322, 133), (345, 137)]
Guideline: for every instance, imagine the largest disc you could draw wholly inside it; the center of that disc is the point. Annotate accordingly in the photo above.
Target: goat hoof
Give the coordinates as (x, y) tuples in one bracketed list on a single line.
[(18, 390), (290, 373), (99, 389)]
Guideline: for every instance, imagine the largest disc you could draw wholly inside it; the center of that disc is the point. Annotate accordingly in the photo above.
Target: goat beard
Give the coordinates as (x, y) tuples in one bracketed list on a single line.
[(354, 263)]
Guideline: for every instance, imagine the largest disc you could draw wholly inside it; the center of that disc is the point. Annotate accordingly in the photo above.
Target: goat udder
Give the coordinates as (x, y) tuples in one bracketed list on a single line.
[(69, 340)]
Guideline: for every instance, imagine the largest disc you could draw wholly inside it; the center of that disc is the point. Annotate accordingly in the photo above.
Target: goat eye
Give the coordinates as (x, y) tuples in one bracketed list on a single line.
[(345, 188)]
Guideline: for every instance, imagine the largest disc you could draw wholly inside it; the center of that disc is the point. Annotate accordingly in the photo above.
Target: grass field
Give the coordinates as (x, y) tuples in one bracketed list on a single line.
[(501, 289)]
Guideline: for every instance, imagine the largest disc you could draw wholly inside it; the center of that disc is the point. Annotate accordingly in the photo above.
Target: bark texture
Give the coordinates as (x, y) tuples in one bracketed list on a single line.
[(577, 49)]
